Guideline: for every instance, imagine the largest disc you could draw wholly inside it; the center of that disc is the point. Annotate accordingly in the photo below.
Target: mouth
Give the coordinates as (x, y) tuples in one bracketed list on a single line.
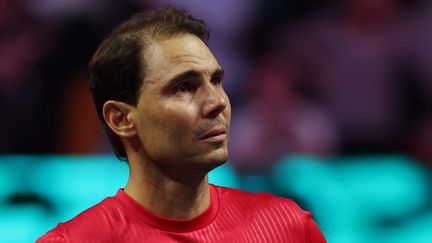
[(217, 134)]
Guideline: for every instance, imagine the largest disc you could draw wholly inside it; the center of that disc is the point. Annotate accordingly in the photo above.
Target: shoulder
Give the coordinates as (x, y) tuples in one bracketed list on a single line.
[(53, 236), (259, 199), (261, 203), (95, 221), (268, 209)]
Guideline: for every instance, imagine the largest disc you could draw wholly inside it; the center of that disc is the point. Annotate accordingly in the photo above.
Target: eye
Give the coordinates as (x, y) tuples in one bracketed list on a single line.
[(216, 80), (183, 87)]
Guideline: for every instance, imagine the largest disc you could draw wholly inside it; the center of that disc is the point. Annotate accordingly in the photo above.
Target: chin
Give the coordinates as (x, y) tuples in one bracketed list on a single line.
[(213, 160)]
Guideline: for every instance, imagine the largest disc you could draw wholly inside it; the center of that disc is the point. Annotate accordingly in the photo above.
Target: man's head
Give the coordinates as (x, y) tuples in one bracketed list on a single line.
[(155, 82)]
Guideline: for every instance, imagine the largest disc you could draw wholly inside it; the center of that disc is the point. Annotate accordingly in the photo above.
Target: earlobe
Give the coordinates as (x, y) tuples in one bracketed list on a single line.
[(117, 116)]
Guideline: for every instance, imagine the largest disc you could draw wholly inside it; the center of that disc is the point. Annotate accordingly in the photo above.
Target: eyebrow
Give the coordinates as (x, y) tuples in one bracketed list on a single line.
[(191, 74)]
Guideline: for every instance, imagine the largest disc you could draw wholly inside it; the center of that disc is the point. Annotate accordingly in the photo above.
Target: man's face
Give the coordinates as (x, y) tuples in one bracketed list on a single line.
[(183, 113)]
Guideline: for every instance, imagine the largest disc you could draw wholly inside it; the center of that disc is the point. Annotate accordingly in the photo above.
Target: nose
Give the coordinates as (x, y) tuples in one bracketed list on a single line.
[(216, 102)]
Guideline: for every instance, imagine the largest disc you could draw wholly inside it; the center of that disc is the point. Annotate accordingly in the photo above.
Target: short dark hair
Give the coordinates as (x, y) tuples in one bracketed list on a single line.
[(117, 69)]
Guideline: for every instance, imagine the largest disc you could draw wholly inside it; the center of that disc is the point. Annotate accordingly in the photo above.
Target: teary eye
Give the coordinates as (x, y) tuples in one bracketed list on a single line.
[(183, 87), (216, 80)]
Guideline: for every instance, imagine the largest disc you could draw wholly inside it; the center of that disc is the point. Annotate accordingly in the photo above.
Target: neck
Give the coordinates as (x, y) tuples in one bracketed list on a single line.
[(166, 195)]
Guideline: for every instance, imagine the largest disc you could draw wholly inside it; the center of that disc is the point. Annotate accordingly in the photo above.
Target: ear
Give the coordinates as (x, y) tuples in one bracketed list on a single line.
[(118, 117)]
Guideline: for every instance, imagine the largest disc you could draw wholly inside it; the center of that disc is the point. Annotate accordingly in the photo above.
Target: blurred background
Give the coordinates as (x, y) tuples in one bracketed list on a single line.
[(331, 107)]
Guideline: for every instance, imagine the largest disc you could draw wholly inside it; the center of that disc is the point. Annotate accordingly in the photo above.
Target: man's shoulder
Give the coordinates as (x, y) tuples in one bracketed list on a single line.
[(96, 220), (264, 209), (256, 199)]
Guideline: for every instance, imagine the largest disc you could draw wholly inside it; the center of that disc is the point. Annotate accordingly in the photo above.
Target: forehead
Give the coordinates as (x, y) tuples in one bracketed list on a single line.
[(166, 58)]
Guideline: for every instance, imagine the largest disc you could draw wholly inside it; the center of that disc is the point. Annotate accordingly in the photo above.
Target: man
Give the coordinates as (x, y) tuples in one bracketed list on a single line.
[(158, 91)]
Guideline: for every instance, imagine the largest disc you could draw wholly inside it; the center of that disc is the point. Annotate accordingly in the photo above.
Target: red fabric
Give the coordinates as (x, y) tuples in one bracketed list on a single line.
[(233, 216)]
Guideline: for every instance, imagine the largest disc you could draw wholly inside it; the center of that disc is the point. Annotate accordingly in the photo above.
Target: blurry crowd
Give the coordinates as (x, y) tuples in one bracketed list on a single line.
[(315, 77)]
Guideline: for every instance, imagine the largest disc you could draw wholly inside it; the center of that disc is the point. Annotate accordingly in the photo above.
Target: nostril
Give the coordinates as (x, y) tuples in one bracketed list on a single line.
[(214, 108), (215, 112)]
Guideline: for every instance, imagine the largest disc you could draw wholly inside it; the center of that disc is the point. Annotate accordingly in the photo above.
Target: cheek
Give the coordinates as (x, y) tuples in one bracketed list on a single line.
[(180, 123)]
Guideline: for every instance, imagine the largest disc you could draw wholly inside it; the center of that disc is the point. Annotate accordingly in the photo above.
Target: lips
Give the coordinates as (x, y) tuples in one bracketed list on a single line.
[(216, 134)]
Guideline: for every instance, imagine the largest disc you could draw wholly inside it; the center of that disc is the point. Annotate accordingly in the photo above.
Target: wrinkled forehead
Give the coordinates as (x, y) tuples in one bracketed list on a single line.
[(168, 57)]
